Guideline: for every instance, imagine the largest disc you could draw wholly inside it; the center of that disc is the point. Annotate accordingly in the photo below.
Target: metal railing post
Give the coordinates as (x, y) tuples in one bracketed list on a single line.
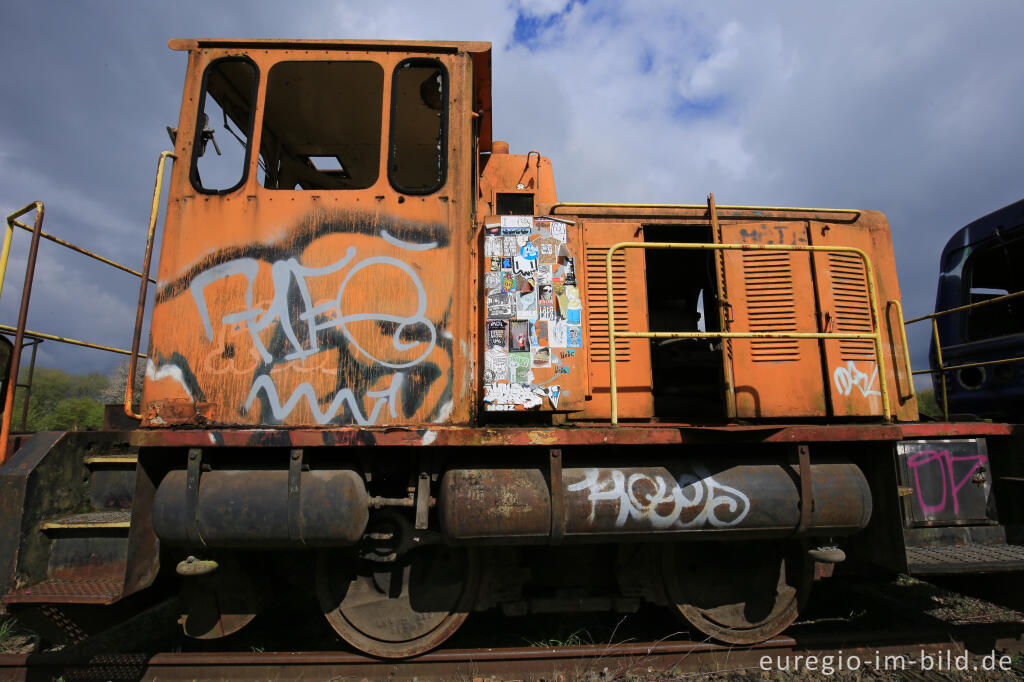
[(129, 390), (19, 336)]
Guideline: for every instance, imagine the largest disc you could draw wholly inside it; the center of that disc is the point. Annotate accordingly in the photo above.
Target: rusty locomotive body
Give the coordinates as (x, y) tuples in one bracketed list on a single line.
[(385, 362)]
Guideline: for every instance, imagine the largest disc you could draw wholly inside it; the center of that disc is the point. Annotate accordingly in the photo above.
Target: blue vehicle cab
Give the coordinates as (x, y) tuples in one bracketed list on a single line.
[(982, 262)]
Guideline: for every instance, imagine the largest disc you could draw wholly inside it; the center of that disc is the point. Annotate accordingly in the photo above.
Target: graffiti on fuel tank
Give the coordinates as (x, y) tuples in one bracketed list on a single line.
[(689, 501), (333, 325)]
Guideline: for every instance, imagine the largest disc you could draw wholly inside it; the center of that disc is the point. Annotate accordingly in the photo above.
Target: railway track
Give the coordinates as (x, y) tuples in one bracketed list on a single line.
[(902, 629), (896, 653)]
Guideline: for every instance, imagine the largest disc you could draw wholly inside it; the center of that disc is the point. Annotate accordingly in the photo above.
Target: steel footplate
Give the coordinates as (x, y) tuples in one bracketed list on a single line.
[(66, 591), (964, 559)]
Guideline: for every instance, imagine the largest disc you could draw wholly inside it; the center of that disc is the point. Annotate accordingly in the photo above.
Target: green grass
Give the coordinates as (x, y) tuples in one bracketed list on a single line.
[(9, 629), (577, 638)]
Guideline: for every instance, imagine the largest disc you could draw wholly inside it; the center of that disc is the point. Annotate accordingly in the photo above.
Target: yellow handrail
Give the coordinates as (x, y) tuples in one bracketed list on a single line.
[(942, 369), (140, 311), (876, 336)]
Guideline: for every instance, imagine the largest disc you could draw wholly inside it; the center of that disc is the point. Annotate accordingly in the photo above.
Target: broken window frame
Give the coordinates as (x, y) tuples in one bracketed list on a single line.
[(442, 178), (250, 126)]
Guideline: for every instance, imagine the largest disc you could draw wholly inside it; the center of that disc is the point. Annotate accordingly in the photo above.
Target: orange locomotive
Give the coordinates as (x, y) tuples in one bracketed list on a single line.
[(387, 363)]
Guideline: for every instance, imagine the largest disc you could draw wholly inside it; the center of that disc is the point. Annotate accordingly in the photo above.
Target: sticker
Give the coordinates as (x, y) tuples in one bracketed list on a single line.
[(563, 305), (495, 264), (519, 364), (501, 306), (525, 285), (519, 336), (541, 358), (545, 296), (509, 247), (505, 397), (529, 251), (496, 366), (557, 334), (539, 331), (514, 231), (497, 334), (493, 246), (553, 393), (506, 263), (545, 312), (492, 229), (525, 266), (548, 250), (517, 221), (558, 231), (572, 296), (574, 336), (566, 271), (508, 281), (527, 308), (492, 281)]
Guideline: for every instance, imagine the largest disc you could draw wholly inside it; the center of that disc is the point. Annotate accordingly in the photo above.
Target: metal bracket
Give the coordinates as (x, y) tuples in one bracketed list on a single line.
[(192, 475), (557, 502), (295, 495), (423, 496), (803, 453)]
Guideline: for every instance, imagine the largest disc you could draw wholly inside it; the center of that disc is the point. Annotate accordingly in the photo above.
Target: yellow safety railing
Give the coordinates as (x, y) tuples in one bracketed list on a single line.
[(942, 369), (875, 336), (20, 332)]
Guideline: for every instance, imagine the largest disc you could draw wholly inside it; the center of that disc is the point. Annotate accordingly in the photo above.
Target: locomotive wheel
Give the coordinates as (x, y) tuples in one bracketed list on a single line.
[(399, 608), (738, 593)]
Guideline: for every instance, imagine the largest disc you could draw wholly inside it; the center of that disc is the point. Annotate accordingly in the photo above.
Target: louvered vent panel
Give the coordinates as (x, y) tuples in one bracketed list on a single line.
[(853, 305), (597, 304), (771, 305)]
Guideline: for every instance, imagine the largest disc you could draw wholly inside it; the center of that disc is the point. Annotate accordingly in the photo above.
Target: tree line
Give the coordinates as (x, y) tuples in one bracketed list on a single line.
[(62, 401)]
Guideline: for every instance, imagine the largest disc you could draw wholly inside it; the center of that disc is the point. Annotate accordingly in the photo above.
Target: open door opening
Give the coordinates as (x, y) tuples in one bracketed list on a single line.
[(682, 296)]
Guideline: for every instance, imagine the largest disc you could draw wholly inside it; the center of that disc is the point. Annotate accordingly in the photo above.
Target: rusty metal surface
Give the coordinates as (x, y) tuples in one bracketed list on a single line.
[(640, 434), (68, 591), (685, 499), (250, 508), (19, 335)]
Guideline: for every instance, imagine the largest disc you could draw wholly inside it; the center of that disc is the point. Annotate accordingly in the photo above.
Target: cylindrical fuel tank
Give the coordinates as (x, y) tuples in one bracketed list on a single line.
[(253, 508), (753, 500)]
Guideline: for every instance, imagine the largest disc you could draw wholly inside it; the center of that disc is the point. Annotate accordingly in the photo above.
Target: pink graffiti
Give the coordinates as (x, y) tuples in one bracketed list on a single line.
[(948, 478)]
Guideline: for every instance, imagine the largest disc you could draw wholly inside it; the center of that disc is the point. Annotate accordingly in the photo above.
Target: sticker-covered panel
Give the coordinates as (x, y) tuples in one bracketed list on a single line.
[(533, 334)]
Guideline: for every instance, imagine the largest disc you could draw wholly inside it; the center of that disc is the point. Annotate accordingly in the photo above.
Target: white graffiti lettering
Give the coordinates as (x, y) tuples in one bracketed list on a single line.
[(344, 396), (155, 373), (661, 501), (848, 377), (288, 275)]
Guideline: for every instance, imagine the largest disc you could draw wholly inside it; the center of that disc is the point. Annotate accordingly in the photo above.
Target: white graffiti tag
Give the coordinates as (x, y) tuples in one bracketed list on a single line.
[(661, 501), (288, 275), (848, 377)]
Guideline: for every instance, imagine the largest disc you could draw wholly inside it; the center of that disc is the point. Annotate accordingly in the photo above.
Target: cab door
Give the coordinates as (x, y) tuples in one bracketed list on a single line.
[(771, 291)]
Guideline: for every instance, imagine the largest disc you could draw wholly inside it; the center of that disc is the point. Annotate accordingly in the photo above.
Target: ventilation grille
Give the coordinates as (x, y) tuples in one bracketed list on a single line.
[(771, 305), (597, 305), (853, 305)]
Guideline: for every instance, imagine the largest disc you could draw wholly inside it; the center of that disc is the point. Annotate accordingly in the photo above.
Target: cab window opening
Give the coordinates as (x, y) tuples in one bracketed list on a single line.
[(418, 150), (322, 125), (224, 126)]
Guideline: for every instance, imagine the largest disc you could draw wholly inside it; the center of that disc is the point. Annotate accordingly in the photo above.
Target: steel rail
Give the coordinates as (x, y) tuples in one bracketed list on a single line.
[(569, 662)]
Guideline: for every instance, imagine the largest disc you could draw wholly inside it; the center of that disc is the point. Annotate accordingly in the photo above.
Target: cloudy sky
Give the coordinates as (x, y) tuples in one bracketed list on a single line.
[(911, 108)]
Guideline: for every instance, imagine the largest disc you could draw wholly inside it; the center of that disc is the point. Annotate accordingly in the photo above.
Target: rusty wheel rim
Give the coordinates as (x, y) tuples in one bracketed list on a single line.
[(736, 593), (401, 608)]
